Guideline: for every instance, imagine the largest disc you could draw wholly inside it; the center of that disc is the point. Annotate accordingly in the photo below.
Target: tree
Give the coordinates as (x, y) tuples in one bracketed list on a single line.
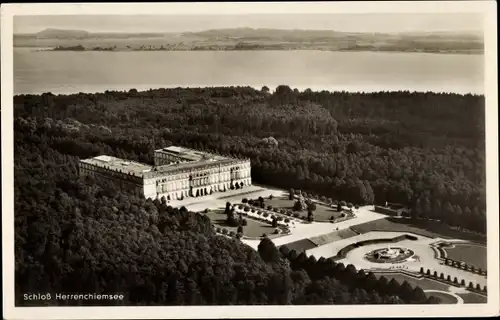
[(433, 300), (419, 295), (297, 206), (275, 223), (310, 215), (311, 206), (267, 250)]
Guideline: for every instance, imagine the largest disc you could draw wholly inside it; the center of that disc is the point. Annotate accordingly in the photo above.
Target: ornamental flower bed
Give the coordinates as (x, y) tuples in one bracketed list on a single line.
[(264, 215)]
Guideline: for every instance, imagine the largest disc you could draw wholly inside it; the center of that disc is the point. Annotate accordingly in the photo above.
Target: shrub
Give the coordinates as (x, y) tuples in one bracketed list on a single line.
[(356, 207), (273, 217), (275, 210), (262, 205), (441, 276), (435, 274), (422, 270), (342, 215), (462, 282), (342, 203), (274, 223), (244, 222), (471, 286), (224, 231), (264, 235), (265, 215), (283, 211), (485, 288), (232, 234), (478, 287), (287, 220), (276, 231), (428, 272), (329, 200), (296, 215), (303, 217), (240, 229), (349, 205), (251, 202), (244, 200), (206, 210), (279, 218), (455, 280), (246, 209), (240, 207), (218, 230), (332, 218), (448, 278), (269, 207), (271, 196)]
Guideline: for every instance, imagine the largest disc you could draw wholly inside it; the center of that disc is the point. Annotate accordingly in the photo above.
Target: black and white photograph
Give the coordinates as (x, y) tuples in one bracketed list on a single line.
[(250, 160)]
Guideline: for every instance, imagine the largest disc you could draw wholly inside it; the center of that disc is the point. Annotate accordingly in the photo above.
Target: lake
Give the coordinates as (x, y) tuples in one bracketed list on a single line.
[(69, 72)]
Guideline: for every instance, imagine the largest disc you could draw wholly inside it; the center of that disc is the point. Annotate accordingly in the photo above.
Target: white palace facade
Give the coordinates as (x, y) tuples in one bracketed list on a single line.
[(177, 173)]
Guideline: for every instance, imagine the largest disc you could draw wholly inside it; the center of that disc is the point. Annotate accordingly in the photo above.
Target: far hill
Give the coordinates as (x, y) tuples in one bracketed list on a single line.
[(59, 33), (257, 39)]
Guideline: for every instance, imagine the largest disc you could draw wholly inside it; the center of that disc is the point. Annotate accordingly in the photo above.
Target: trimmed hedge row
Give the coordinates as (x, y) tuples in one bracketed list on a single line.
[(455, 282)]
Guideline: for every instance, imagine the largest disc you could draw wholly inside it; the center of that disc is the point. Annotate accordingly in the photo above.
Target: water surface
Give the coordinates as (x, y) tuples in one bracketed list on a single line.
[(67, 72)]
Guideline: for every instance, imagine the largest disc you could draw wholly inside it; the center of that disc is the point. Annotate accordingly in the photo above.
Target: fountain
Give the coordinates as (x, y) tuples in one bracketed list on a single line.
[(389, 255)]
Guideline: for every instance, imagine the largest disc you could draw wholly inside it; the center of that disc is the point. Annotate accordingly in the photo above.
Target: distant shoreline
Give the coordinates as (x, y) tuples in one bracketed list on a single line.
[(140, 89), (381, 50)]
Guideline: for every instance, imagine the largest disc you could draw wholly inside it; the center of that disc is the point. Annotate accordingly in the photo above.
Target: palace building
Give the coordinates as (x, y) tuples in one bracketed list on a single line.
[(177, 173)]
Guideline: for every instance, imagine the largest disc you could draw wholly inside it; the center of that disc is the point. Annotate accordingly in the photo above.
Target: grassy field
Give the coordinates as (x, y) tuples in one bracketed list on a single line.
[(333, 236), (321, 212), (471, 254), (301, 245), (429, 284), (252, 229), (471, 297), (426, 229), (424, 283), (445, 297)]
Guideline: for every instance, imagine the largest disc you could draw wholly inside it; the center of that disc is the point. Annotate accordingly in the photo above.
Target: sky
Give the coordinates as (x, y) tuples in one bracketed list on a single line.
[(183, 23)]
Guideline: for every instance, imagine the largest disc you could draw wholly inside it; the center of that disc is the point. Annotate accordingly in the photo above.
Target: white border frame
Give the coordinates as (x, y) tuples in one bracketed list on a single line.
[(488, 8)]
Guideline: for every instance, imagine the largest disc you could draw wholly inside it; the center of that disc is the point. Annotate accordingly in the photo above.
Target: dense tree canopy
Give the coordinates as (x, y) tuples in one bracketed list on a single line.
[(424, 150)]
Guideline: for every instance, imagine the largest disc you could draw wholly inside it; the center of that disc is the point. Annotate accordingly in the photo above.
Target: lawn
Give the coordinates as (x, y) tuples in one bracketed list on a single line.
[(333, 236), (424, 283), (445, 297), (252, 229), (429, 284), (427, 229), (300, 245), (471, 254), (322, 212), (471, 297)]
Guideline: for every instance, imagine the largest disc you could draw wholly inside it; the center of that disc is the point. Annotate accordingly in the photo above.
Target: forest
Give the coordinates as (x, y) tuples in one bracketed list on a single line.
[(423, 150)]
